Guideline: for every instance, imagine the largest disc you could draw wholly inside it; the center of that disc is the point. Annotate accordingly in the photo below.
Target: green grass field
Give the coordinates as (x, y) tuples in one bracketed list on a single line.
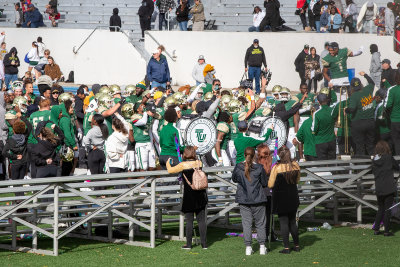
[(341, 246)]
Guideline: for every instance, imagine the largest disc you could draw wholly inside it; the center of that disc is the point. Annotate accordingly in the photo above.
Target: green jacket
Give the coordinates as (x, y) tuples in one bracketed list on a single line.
[(392, 103), (305, 136), (242, 142), (323, 125), (382, 122), (167, 141), (361, 105), (68, 129)]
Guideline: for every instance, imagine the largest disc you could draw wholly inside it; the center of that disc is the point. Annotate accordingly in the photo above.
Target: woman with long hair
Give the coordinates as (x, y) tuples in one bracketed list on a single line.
[(182, 15), (251, 180), (383, 165), (52, 69), (264, 157), (193, 201), (94, 141), (313, 70), (283, 180), (117, 145), (33, 56)]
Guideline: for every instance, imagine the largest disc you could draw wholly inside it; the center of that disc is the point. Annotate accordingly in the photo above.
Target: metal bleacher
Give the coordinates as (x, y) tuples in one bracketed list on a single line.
[(229, 15)]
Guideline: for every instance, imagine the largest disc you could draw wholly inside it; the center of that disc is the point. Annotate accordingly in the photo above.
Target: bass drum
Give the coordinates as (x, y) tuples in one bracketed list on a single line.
[(202, 133), (279, 132)]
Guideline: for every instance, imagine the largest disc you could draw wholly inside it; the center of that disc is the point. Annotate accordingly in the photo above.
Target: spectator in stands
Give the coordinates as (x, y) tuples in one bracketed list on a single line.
[(193, 201), (379, 22), (158, 70), (299, 63), (272, 16), (317, 11), (94, 141), (2, 76), (145, 12), (301, 12), (33, 18), (311, 16), (53, 70), (164, 6), (312, 70), (55, 93), (198, 16), (11, 64), (350, 16), (33, 56), (115, 21), (43, 61), (324, 53), (51, 9), (325, 18), (19, 17), (389, 19), (335, 21), (251, 180), (182, 15), (198, 69), (365, 19), (383, 165), (255, 59), (375, 68), (283, 181), (258, 16)]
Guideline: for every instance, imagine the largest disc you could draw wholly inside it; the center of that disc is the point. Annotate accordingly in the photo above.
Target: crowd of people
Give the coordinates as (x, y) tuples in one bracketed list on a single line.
[(332, 16), (109, 129), (27, 15)]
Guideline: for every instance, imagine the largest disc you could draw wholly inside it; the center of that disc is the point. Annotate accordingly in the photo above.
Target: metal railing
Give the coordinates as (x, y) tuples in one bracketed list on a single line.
[(173, 57), (142, 198)]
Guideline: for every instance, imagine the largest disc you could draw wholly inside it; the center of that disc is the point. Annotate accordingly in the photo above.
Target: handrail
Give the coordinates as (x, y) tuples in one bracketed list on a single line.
[(95, 29), (173, 58)]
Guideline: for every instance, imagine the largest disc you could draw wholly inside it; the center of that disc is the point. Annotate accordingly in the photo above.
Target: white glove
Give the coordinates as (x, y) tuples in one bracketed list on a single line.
[(80, 134), (359, 51), (220, 163)]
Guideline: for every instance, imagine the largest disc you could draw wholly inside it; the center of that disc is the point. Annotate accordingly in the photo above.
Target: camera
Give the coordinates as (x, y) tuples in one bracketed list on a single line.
[(266, 74), (150, 106)]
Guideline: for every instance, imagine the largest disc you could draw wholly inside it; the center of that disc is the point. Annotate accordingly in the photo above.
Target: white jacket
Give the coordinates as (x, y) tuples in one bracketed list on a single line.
[(33, 54), (41, 47), (257, 18), (117, 145), (197, 72), (1, 71)]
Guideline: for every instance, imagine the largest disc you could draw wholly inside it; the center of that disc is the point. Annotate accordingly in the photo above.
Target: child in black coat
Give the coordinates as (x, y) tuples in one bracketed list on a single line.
[(383, 165)]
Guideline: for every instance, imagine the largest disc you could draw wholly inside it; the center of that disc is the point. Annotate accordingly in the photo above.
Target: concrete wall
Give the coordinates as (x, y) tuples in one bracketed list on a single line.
[(226, 51), (105, 58)]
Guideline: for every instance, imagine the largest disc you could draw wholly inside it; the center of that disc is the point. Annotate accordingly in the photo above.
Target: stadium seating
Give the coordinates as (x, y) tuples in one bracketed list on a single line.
[(229, 15)]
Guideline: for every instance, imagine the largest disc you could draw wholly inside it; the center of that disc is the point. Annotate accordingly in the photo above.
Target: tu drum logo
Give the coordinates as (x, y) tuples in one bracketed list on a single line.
[(273, 135), (200, 136)]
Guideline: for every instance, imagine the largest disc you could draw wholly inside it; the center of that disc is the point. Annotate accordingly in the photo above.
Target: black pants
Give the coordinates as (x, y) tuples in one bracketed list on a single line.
[(312, 83), (118, 170), (144, 24), (326, 151), (201, 221), (342, 145), (384, 202), (310, 158), (332, 30), (163, 161), (311, 19), (268, 212), (31, 160), (363, 133), (82, 158), (288, 224), (303, 19), (66, 168), (395, 132), (302, 77), (44, 172), (96, 161), (161, 20), (17, 173)]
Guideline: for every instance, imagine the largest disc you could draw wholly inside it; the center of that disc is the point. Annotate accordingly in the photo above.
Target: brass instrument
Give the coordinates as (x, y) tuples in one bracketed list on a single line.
[(339, 121)]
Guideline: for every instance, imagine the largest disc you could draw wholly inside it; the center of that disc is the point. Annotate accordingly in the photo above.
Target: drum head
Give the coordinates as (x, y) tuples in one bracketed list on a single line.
[(279, 132), (201, 132)]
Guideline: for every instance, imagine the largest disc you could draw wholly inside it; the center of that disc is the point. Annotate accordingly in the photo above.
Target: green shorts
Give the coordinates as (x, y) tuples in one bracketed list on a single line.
[(33, 63)]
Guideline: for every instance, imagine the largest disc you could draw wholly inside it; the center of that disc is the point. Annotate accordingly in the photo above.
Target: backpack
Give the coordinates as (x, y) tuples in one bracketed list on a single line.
[(199, 179), (70, 77), (26, 59)]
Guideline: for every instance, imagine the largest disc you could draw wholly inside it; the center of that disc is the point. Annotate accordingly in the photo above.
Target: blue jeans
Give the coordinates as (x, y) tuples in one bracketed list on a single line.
[(318, 25), (9, 78), (161, 20), (157, 84), (254, 73), (254, 29), (183, 25)]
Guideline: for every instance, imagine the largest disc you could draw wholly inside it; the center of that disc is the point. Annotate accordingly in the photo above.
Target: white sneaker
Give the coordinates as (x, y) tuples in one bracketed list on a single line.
[(249, 251), (263, 250)]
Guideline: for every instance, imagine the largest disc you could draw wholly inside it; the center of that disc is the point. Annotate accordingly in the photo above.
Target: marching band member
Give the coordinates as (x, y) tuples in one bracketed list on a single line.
[(223, 129), (392, 105), (382, 120)]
